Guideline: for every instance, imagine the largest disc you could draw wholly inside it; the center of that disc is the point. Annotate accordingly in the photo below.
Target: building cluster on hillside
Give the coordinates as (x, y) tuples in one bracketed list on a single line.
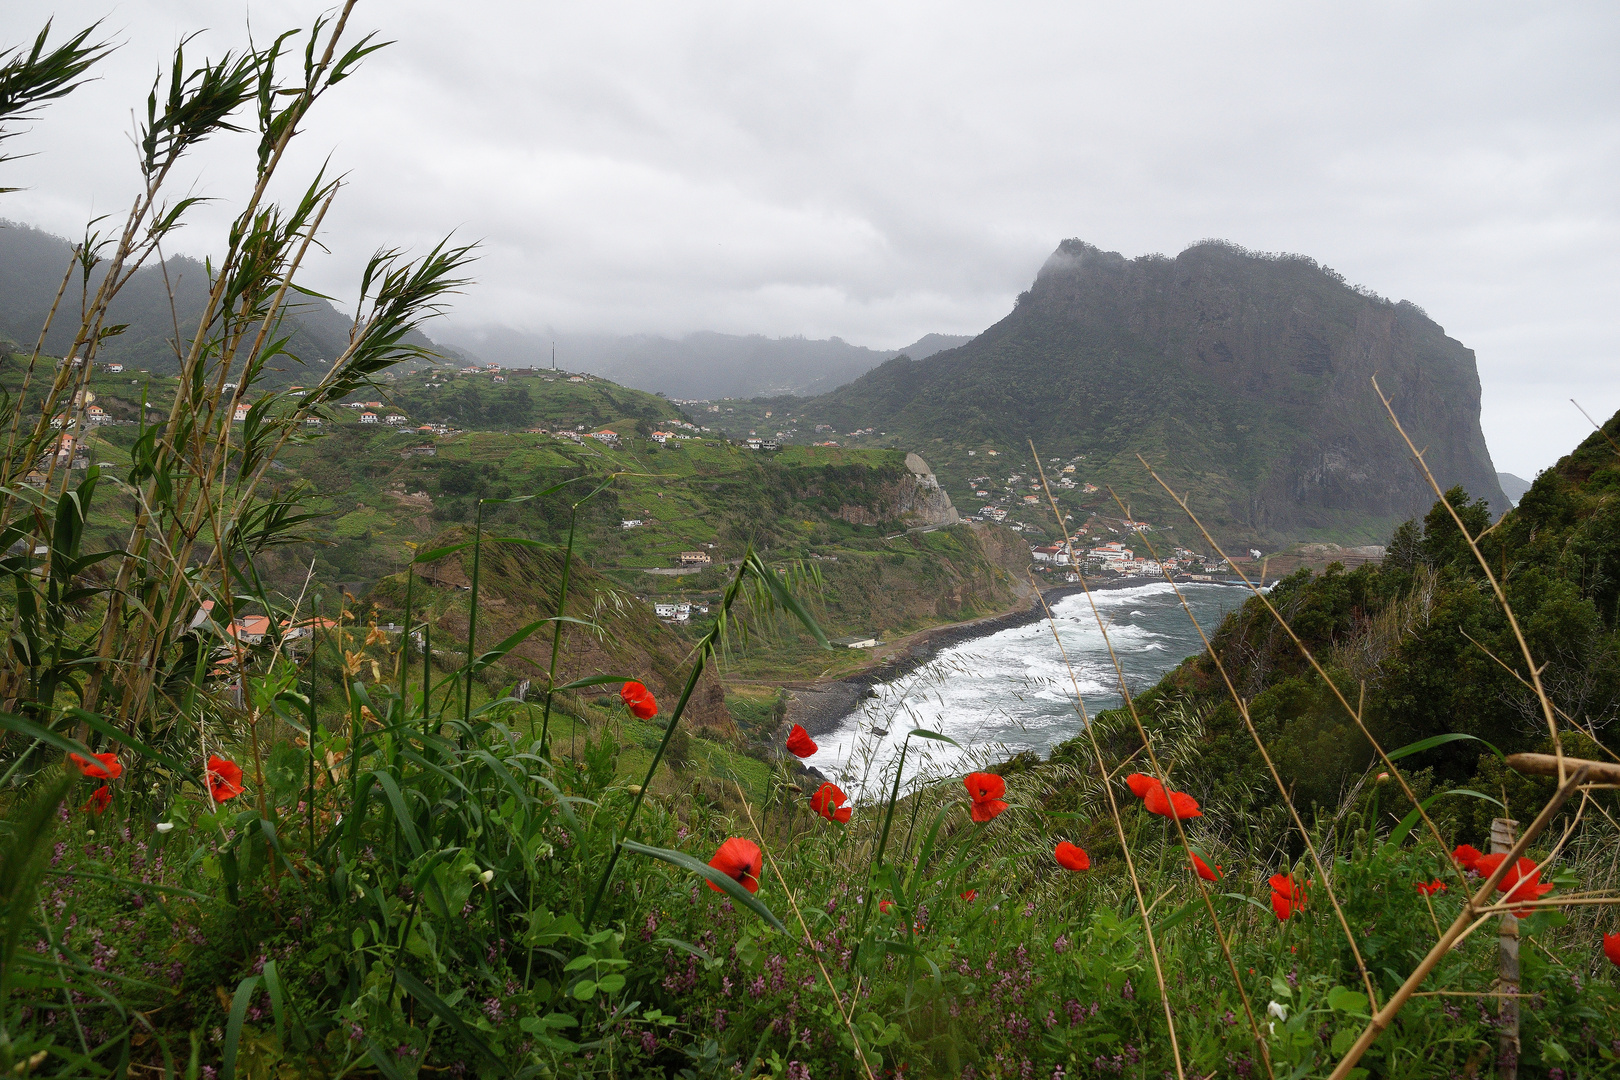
[(1114, 557), (678, 610)]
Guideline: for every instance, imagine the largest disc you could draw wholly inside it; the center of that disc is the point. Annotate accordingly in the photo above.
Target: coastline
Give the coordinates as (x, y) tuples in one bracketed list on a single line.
[(819, 706)]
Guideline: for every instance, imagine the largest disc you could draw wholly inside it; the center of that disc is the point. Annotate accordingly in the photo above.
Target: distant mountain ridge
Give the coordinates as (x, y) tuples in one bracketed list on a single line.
[(1245, 378), (696, 366), (32, 262), (1514, 487)]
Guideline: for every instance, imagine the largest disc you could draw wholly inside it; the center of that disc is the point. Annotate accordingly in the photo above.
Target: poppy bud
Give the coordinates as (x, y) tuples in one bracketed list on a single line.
[(1383, 778), (634, 789), (165, 826), (487, 876)]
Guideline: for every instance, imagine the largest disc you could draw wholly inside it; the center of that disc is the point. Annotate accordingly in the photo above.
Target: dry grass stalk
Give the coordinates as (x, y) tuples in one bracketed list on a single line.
[(1352, 711), (1276, 778), (1159, 772), (1125, 846), (847, 1015), (1496, 586)]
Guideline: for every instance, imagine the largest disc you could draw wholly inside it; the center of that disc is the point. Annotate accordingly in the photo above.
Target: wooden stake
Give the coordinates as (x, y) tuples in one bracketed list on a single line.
[(1507, 968)]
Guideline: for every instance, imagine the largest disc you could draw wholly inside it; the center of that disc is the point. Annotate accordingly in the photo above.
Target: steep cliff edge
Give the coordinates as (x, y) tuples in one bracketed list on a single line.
[(1245, 378)]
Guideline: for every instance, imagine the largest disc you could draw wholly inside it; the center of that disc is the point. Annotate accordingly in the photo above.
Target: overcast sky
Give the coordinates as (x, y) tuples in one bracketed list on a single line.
[(881, 170)]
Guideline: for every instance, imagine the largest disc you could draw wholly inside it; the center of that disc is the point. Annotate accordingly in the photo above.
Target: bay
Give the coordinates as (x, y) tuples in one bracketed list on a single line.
[(1012, 690)]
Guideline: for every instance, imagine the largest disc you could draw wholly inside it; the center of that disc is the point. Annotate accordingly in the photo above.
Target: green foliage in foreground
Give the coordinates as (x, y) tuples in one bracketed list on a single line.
[(425, 910)]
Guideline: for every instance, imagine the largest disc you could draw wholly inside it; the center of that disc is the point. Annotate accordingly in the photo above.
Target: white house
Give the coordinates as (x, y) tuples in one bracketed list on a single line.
[(629, 523), (312, 421), (368, 418), (1113, 552), (393, 418), (115, 368), (241, 412)]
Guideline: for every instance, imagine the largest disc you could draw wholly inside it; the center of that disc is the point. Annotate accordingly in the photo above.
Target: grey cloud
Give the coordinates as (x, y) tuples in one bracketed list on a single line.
[(881, 171)]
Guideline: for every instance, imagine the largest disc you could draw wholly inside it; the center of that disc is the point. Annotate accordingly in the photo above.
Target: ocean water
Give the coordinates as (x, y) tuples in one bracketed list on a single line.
[(1011, 690)]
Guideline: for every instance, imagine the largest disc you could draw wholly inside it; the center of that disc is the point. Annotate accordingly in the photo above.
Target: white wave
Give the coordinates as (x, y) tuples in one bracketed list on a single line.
[(1011, 690)]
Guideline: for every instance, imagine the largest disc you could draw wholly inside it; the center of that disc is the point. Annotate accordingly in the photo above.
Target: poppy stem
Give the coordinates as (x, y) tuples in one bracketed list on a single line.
[(705, 650), (883, 840)]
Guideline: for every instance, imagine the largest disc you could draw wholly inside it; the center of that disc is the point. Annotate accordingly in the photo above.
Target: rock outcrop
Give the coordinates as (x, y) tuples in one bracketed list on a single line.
[(923, 502)]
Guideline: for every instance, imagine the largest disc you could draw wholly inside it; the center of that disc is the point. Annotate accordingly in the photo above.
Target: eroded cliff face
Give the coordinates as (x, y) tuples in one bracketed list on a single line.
[(913, 499), (923, 502)]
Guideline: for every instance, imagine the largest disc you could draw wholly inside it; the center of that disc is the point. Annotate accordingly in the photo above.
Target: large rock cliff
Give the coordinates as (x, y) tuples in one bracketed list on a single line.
[(1246, 379)]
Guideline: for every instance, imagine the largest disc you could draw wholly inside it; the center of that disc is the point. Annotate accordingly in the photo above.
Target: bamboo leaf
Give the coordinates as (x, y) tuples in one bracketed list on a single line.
[(1409, 822), (397, 801), (594, 680), (1440, 740), (233, 1027)]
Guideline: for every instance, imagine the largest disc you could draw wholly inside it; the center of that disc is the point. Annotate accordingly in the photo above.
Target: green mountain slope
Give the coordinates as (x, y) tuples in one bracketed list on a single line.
[(1245, 378), (378, 489), (1421, 646)]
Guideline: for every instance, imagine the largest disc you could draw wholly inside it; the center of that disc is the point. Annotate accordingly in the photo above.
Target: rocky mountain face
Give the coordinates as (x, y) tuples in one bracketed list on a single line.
[(1245, 379)]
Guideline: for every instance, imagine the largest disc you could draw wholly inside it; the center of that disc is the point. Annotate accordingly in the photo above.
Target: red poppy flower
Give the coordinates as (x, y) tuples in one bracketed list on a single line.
[(1140, 784), (1171, 804), (1071, 857), (224, 778), (100, 799), (973, 894), (1521, 882), (884, 906), (1611, 948), (1466, 856), (1287, 896), (1433, 887), (828, 802), (799, 742), (1201, 868), (104, 767), (1156, 801), (740, 859), (639, 700), (986, 790)]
